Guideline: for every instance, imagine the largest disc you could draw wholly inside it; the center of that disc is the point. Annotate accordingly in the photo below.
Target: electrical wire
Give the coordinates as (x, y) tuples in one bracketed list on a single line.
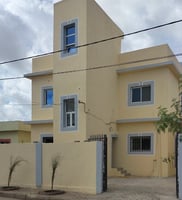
[(95, 67), (101, 66), (93, 43)]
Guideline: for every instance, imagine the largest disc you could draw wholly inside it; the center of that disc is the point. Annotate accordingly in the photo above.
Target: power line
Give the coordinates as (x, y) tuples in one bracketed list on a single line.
[(85, 69), (92, 43), (118, 64), (101, 66)]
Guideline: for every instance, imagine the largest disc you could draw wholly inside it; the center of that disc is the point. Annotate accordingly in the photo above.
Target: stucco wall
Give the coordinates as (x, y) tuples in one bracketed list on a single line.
[(147, 111), (80, 165), (38, 129), (42, 63), (144, 164), (20, 177), (38, 111)]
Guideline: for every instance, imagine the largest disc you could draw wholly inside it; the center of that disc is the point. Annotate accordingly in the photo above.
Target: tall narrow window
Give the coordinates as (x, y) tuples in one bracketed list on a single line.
[(47, 96), (69, 38), (69, 113)]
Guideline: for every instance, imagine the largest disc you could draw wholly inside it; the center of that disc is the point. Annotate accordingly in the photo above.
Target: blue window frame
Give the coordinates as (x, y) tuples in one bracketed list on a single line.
[(47, 97), (69, 112), (69, 41)]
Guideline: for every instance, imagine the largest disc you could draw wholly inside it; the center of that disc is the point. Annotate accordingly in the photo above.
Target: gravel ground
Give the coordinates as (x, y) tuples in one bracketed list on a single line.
[(132, 188)]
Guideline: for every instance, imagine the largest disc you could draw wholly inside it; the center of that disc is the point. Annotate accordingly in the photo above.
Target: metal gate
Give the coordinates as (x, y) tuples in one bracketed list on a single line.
[(179, 165), (103, 139)]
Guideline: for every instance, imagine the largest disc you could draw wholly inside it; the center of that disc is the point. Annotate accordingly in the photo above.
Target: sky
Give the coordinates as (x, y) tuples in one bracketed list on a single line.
[(26, 29)]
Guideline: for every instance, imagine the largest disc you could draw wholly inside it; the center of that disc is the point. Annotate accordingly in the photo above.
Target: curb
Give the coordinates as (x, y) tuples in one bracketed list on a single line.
[(28, 196)]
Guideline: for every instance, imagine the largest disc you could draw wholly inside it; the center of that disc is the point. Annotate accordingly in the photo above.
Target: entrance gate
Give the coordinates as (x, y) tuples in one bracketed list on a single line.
[(179, 165), (103, 139)]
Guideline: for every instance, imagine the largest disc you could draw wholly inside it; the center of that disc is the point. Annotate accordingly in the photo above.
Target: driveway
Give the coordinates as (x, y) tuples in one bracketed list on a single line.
[(132, 188)]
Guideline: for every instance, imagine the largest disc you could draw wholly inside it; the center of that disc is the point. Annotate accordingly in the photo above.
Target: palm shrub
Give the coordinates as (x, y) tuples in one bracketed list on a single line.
[(54, 164), (13, 164)]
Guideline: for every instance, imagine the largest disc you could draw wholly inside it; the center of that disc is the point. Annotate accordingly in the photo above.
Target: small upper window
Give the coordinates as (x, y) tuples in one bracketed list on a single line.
[(141, 93), (47, 97), (69, 38)]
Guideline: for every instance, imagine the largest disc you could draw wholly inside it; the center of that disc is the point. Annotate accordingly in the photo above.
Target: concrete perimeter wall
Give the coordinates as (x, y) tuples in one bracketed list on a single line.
[(80, 167)]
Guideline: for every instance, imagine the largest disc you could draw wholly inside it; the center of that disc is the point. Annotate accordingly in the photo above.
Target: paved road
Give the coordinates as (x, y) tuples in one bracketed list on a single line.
[(3, 198)]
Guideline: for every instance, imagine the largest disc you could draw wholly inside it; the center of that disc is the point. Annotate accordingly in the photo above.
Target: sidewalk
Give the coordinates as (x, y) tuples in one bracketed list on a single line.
[(118, 189)]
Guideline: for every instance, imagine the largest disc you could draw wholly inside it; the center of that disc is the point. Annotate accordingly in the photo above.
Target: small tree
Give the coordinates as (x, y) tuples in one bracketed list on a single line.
[(171, 120), (55, 163), (13, 164)]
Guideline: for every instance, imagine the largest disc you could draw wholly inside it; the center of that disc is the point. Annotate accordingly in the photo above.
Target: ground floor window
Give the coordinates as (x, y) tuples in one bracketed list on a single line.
[(140, 143), (47, 138)]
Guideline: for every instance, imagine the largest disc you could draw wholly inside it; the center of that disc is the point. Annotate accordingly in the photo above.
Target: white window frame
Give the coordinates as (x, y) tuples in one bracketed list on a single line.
[(43, 97), (64, 114), (131, 86), (64, 47), (151, 135)]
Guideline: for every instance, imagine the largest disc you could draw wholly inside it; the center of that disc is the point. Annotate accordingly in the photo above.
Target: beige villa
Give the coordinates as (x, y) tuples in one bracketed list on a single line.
[(87, 88)]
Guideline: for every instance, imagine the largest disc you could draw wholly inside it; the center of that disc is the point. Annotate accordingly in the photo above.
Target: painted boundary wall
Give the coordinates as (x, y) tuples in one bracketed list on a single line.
[(80, 167)]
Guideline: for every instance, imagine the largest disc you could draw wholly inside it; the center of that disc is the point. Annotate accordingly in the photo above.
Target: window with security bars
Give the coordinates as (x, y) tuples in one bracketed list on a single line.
[(141, 143)]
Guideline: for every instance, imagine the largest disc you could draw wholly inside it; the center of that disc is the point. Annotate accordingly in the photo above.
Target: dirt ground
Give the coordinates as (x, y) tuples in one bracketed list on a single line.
[(132, 188)]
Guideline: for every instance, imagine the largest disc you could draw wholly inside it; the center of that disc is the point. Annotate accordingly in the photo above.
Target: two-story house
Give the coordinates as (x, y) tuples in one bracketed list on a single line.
[(88, 87)]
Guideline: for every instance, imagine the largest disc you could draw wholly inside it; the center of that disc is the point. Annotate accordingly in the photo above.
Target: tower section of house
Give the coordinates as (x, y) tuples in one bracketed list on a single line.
[(82, 87)]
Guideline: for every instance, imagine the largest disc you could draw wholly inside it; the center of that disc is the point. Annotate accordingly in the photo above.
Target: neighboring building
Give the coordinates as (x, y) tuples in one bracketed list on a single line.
[(95, 89), (14, 132)]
